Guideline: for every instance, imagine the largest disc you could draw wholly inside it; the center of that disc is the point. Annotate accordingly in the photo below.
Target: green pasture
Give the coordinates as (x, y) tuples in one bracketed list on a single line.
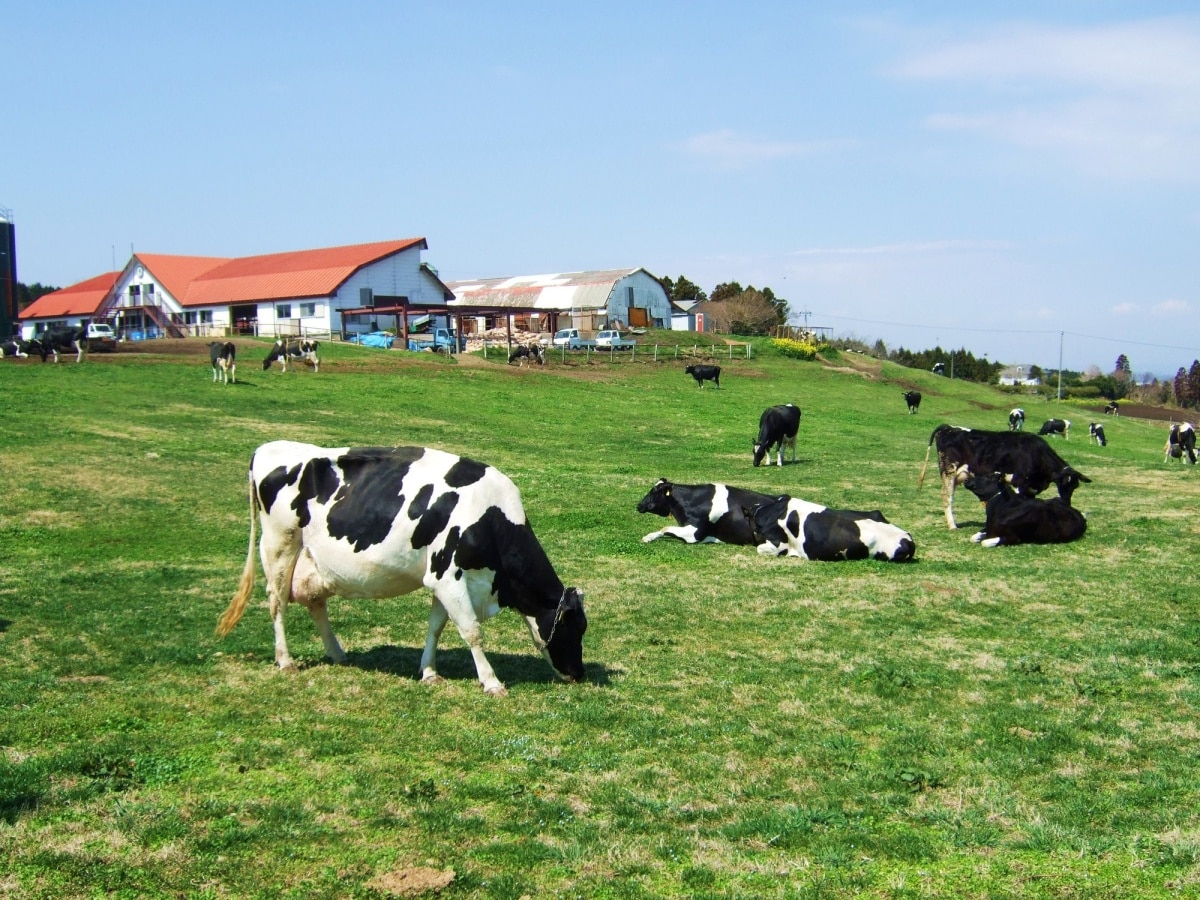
[(1018, 722)]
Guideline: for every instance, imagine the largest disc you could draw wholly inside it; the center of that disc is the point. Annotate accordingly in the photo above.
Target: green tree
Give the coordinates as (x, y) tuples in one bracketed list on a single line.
[(683, 291), (724, 291), (27, 293), (1123, 365), (1182, 388)]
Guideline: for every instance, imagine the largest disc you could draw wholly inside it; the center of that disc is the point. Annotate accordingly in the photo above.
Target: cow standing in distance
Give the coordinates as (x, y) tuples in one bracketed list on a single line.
[(1057, 426), (1029, 463), (376, 522), (223, 355), (777, 426), (1016, 419), (1096, 432), (703, 374), (1181, 443), (1112, 409), (913, 399), (1013, 519), (63, 339), (296, 349), (705, 513), (795, 527)]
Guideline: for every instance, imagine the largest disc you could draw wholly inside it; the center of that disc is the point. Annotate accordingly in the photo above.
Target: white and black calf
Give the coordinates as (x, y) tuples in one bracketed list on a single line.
[(1030, 464), (1181, 443), (705, 513), (224, 361), (1016, 419), (63, 340), (375, 522), (703, 374), (531, 352), (294, 349), (1112, 409), (913, 400), (795, 527), (1013, 519), (1096, 433), (1057, 426), (777, 427)]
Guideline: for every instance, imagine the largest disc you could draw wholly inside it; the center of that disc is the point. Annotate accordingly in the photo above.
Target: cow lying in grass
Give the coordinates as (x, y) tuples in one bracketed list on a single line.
[(1013, 519), (788, 525), (705, 513)]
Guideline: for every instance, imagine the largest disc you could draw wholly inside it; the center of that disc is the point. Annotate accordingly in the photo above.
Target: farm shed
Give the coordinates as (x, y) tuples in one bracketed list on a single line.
[(603, 298), (293, 293), (72, 305)]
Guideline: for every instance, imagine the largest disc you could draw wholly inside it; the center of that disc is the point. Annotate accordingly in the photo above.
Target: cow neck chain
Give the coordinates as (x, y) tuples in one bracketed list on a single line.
[(558, 614)]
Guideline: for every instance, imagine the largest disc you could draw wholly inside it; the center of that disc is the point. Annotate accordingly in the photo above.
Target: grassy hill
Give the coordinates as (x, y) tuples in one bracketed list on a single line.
[(1009, 722)]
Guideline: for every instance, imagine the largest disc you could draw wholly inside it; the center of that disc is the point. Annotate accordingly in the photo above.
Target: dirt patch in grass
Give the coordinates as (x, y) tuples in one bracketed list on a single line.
[(412, 882)]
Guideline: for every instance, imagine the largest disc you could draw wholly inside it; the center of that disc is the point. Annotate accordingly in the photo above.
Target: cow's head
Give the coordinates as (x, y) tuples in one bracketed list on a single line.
[(689, 370), (768, 523), (760, 450), (562, 630), (989, 485), (658, 501), (1068, 480)]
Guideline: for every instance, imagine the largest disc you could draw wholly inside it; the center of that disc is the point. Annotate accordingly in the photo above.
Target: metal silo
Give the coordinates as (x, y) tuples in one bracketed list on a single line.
[(8, 274)]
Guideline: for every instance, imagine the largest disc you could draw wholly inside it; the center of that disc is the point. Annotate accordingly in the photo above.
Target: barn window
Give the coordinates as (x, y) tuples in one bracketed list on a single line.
[(308, 309), (135, 291), (283, 311)]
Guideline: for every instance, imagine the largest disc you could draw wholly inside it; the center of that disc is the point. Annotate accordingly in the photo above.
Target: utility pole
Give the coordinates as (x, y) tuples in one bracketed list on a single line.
[(1060, 343)]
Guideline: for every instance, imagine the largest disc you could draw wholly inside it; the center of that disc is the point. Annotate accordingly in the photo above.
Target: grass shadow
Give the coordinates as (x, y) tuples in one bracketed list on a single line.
[(456, 664)]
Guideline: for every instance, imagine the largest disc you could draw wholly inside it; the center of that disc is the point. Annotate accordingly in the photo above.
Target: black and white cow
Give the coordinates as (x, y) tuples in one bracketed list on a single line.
[(1057, 426), (16, 348), (789, 525), (1016, 419), (703, 374), (296, 349), (1013, 519), (938, 369), (375, 522), (1096, 432), (1112, 409), (913, 399), (224, 361), (777, 427), (705, 513), (1030, 464), (1181, 443), (532, 352), (63, 339)]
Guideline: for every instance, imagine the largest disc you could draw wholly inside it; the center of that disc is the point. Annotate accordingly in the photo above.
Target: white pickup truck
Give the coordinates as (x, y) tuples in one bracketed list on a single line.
[(613, 339)]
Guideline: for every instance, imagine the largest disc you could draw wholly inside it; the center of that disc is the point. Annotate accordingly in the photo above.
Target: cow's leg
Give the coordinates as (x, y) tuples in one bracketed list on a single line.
[(214, 368), (320, 616), (279, 554), (79, 345), (455, 599), (689, 534), (948, 485), (437, 621), (233, 372)]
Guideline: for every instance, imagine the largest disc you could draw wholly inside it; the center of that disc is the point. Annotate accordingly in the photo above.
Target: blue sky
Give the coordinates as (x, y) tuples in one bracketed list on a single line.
[(1000, 176)]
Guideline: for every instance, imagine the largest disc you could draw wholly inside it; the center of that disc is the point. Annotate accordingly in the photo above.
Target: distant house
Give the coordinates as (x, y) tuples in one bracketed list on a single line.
[(604, 298), (1019, 375), (322, 291)]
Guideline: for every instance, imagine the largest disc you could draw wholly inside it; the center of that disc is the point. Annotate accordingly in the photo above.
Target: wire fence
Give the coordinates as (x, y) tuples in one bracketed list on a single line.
[(637, 353)]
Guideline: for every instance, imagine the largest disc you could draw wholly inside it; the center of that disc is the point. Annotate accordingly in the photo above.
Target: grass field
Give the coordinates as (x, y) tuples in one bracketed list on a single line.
[(1018, 722)]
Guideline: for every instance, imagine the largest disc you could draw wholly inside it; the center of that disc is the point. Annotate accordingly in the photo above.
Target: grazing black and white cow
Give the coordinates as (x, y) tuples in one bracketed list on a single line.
[(65, 340), (16, 348), (703, 374), (1013, 519), (777, 426), (532, 352), (913, 399), (705, 513), (1181, 443), (1057, 426), (788, 525), (224, 361), (375, 522), (938, 369), (297, 349), (1112, 409), (1030, 464), (1016, 419), (1096, 431)]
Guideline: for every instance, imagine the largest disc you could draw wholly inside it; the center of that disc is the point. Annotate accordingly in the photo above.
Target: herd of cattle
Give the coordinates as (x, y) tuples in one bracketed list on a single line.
[(375, 522), (52, 342)]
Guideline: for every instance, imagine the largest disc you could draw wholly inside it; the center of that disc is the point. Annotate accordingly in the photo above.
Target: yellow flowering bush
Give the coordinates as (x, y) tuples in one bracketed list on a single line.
[(796, 349)]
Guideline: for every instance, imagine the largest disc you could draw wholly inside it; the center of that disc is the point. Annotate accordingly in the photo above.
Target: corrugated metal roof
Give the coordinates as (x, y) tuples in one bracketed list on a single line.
[(562, 290), (175, 273), (77, 300)]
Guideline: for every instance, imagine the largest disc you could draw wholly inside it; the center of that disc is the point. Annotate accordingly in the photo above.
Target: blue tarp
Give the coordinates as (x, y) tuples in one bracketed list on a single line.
[(380, 339)]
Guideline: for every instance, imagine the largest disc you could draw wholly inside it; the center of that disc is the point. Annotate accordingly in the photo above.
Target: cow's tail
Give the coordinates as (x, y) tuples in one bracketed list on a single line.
[(237, 605), (932, 439)]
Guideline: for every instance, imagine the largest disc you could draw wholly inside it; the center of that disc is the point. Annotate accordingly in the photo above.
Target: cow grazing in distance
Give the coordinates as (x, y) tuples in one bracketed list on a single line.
[(777, 427), (938, 369), (1112, 409), (1057, 426), (63, 339), (375, 522), (1013, 519), (224, 361), (1181, 443), (1030, 464), (705, 513), (527, 352), (296, 349), (1016, 419), (703, 374), (1096, 432), (788, 525), (16, 349), (913, 399)]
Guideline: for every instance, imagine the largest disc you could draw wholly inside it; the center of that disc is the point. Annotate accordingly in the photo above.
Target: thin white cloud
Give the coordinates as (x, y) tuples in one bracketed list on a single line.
[(1124, 309), (728, 148), (1171, 308), (1121, 99)]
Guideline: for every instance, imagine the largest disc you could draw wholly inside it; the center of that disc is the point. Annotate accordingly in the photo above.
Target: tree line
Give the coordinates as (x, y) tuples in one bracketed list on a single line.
[(731, 308)]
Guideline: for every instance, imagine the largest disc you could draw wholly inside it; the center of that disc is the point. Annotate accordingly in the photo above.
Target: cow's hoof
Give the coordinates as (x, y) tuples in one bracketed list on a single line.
[(496, 690), (432, 678), (288, 668), (977, 537), (991, 542)]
